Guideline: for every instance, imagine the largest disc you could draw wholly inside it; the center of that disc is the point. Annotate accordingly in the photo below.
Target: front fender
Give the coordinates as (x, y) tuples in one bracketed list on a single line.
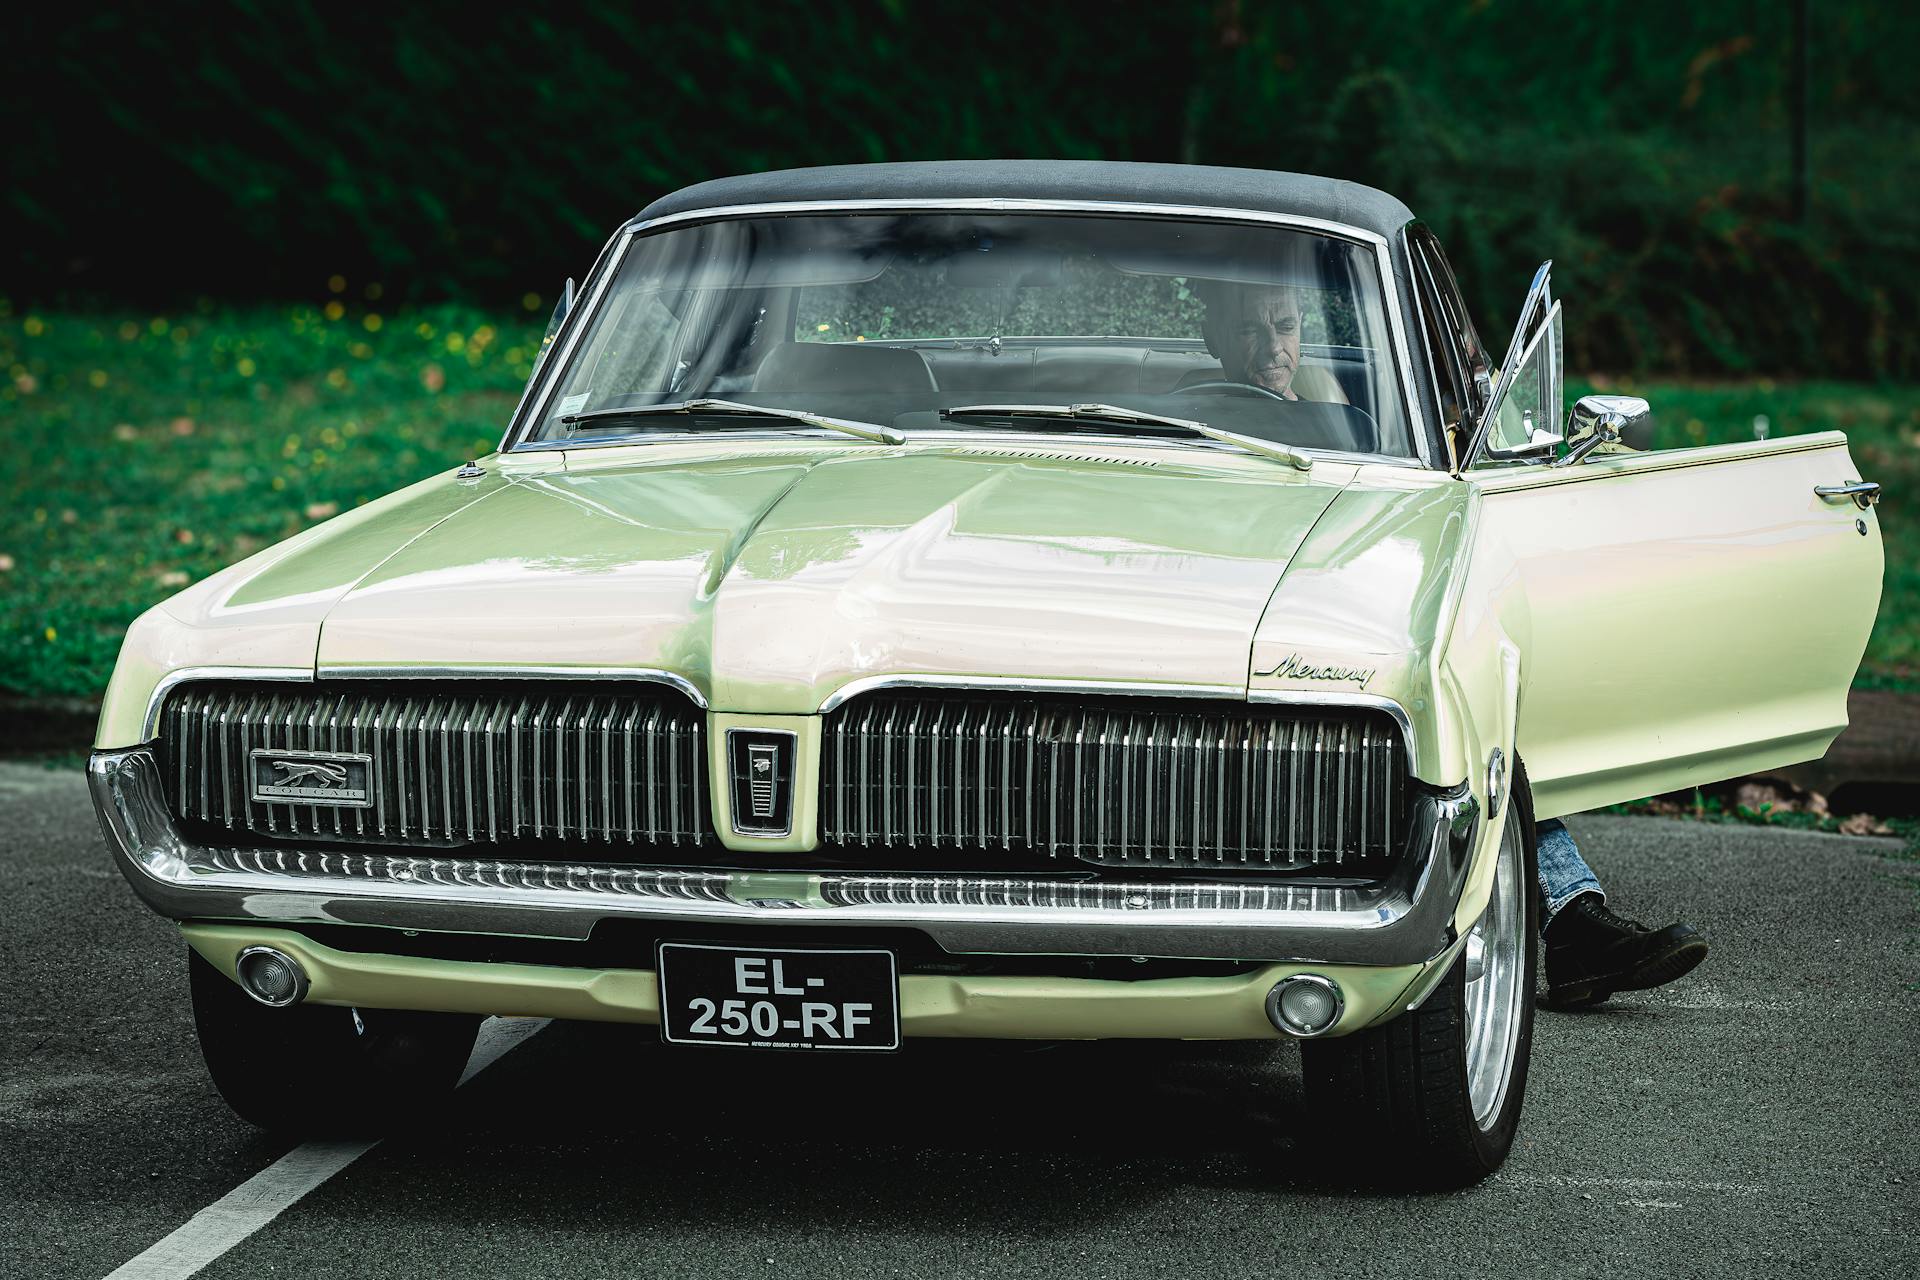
[(1479, 675)]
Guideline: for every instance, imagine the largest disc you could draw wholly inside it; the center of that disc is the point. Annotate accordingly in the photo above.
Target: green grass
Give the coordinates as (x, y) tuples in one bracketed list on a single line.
[(146, 451)]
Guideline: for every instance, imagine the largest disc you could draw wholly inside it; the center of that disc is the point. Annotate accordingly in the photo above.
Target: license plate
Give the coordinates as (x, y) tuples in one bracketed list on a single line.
[(771, 998)]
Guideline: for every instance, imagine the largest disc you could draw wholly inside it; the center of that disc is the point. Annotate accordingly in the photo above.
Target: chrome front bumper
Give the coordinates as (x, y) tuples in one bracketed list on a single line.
[(1405, 919)]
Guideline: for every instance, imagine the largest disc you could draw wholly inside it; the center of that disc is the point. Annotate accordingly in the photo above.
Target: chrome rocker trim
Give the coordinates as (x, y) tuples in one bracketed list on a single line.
[(1405, 919)]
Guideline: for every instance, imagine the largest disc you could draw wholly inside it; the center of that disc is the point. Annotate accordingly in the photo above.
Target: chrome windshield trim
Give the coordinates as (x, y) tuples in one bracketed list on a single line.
[(1405, 918), (1355, 701), (483, 671), (1383, 254), (616, 241), (990, 684), (540, 388), (156, 701), (999, 204)]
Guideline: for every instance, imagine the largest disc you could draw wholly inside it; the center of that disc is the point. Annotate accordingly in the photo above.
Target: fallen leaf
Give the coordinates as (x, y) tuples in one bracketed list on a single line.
[(1760, 797), (1864, 824)]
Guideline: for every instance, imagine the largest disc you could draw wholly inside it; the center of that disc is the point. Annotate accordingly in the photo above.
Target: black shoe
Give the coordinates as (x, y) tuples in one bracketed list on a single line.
[(1592, 953)]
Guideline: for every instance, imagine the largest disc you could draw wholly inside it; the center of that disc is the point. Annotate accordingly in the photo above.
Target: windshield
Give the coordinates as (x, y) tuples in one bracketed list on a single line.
[(888, 318)]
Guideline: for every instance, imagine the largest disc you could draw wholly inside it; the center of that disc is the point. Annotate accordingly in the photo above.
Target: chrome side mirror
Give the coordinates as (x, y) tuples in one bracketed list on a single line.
[(1606, 420)]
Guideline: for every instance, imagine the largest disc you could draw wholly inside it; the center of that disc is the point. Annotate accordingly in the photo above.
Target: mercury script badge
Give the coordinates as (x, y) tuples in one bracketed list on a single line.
[(338, 778), (1294, 667)]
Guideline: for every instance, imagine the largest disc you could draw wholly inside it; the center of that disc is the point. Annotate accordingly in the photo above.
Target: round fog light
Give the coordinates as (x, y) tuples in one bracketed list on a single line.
[(1305, 1005), (271, 977)]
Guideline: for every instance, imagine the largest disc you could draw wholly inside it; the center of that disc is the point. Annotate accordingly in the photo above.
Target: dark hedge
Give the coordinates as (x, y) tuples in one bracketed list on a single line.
[(251, 150)]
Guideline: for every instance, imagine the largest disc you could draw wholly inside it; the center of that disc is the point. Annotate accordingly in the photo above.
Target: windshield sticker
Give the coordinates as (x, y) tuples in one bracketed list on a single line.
[(574, 404)]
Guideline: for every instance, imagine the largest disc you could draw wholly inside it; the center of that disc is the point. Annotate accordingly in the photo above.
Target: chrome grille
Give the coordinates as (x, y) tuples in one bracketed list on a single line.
[(451, 764), (1126, 785)]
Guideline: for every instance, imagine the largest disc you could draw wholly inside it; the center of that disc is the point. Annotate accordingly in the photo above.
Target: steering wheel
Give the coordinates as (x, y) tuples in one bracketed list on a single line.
[(1366, 434), (1247, 389)]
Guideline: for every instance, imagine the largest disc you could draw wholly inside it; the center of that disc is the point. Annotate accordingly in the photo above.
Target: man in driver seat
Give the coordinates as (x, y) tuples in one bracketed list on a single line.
[(1253, 330)]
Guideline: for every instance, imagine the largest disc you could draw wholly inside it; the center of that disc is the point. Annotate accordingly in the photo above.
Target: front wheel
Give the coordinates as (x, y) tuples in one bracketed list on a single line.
[(323, 1071), (1434, 1096)]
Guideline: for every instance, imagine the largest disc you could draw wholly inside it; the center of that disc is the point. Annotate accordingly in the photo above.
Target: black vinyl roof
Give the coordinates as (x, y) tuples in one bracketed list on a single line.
[(1298, 194)]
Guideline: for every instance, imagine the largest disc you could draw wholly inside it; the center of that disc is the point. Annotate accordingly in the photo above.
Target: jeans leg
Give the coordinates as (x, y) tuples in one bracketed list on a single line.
[(1564, 874)]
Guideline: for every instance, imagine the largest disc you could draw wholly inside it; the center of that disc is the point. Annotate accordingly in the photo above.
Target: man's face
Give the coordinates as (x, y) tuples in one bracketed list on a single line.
[(1256, 336)]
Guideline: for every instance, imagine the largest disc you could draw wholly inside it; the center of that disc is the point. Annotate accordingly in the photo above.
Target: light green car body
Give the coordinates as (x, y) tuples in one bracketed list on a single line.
[(1631, 625), (1613, 623)]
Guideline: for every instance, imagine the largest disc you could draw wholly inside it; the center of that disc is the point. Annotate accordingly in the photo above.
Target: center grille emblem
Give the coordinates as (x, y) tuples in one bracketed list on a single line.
[(293, 774), (338, 778), (761, 764)]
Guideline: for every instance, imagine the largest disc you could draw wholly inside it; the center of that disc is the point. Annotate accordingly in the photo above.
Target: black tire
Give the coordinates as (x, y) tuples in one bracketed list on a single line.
[(1395, 1099), (321, 1070)]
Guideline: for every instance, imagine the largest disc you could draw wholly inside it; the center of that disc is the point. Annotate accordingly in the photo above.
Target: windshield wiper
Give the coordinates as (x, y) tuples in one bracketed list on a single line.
[(734, 409), (1113, 413)]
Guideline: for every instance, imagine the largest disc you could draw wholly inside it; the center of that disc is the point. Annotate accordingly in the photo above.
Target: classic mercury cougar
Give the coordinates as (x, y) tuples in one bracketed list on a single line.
[(1047, 600)]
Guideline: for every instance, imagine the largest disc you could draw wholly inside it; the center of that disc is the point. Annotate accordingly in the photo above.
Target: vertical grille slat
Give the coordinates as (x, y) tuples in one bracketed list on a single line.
[(450, 767), (696, 770), (1155, 785), (674, 770), (225, 769), (312, 721), (561, 720), (649, 740), (447, 781), (629, 745)]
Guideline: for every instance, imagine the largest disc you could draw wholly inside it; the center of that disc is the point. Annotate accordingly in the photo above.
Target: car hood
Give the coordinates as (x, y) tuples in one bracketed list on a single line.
[(770, 582)]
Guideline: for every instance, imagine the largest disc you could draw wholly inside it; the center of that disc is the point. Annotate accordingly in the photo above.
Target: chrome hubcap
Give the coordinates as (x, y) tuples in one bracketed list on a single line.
[(1494, 967), (1476, 956)]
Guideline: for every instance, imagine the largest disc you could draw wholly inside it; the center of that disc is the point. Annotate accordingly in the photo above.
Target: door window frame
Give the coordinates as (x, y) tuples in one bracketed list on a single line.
[(1461, 367)]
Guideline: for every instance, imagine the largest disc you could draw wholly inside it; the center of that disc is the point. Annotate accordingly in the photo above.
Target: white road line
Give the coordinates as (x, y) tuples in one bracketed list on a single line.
[(497, 1036), (260, 1199), (1645, 1186)]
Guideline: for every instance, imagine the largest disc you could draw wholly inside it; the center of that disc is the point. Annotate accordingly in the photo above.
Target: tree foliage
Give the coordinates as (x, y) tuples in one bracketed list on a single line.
[(253, 150)]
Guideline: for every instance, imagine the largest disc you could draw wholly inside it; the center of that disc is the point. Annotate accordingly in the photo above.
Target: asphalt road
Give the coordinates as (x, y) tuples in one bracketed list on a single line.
[(1759, 1118)]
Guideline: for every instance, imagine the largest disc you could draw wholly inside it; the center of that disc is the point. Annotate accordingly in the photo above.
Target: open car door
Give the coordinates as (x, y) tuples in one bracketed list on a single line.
[(1683, 616)]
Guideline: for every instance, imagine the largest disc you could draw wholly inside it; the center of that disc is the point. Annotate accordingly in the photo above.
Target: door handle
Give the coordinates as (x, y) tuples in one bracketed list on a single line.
[(1864, 493)]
